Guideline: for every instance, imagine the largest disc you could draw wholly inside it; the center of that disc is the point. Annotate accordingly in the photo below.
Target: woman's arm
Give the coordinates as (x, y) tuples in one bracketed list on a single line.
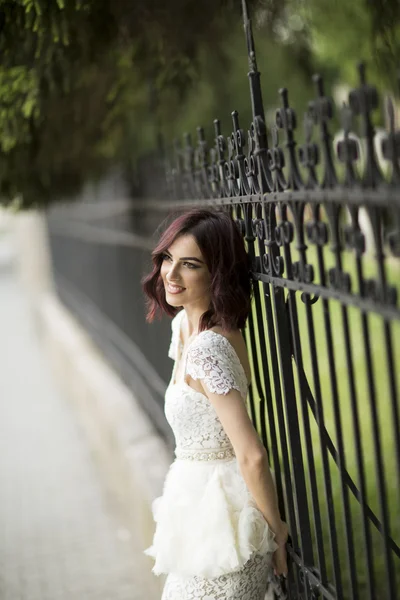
[(251, 456), (214, 365), (253, 463), (258, 478)]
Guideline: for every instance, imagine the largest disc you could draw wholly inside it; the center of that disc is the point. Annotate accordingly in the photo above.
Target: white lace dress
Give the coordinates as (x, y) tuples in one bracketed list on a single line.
[(211, 539)]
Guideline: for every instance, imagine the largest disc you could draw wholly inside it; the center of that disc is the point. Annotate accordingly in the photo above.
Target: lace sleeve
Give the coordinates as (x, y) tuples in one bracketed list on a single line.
[(174, 344), (214, 360)]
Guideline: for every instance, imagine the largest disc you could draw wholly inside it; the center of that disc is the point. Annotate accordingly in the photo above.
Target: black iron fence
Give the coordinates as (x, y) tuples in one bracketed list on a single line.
[(322, 226)]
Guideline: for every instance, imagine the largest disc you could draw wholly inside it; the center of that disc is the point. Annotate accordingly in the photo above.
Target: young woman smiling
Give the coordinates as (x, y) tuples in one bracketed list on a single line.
[(218, 529)]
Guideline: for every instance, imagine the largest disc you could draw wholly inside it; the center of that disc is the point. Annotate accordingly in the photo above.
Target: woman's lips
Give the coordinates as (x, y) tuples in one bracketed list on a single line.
[(174, 289)]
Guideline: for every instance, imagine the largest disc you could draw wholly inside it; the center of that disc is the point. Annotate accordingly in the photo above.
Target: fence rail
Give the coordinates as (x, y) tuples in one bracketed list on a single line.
[(322, 227)]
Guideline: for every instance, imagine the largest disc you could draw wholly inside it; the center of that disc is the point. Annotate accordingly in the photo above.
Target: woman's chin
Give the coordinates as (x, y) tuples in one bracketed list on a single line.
[(174, 299)]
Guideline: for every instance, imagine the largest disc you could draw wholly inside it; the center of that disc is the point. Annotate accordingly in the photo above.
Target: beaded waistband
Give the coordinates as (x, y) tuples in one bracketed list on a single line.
[(202, 455)]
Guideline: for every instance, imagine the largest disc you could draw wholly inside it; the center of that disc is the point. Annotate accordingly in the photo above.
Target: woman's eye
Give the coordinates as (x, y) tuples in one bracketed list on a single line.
[(187, 264)]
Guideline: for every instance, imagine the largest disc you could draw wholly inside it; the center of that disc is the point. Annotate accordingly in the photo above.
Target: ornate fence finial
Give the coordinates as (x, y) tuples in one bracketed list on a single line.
[(249, 38), (391, 144), (253, 74), (203, 173), (202, 147), (347, 148), (239, 141), (276, 162), (220, 149), (309, 151), (177, 169), (238, 138), (363, 101), (188, 153), (220, 142), (322, 109), (285, 119), (189, 171)]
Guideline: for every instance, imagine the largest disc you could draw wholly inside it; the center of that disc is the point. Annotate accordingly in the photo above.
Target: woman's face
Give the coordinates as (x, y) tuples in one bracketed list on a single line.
[(185, 274)]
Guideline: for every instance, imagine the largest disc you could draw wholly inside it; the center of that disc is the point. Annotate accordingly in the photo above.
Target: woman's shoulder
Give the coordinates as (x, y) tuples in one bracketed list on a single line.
[(233, 336), (220, 361), (224, 346)]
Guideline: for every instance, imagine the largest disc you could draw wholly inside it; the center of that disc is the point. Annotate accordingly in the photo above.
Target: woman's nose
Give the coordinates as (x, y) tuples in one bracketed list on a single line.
[(172, 274)]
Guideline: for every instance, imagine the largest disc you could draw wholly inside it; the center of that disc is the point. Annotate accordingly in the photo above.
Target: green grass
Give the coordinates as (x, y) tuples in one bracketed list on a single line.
[(375, 325)]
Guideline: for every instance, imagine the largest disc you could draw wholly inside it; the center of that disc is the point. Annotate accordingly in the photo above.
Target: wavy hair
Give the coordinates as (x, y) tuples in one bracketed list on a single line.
[(223, 249)]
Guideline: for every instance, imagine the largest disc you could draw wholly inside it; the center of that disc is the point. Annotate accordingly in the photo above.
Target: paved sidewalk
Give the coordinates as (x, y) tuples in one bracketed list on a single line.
[(58, 538)]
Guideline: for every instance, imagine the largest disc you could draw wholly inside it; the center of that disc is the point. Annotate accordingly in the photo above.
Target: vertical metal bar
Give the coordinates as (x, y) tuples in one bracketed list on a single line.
[(257, 378), (376, 225), (388, 338), (298, 474), (270, 293), (252, 405), (279, 302), (257, 104), (301, 247), (251, 400), (300, 489), (378, 457), (335, 397), (391, 371), (359, 457), (303, 396), (342, 463), (258, 387), (323, 450), (265, 372), (272, 340)]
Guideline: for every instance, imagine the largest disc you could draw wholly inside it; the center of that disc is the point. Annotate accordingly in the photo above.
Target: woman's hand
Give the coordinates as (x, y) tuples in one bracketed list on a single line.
[(279, 559)]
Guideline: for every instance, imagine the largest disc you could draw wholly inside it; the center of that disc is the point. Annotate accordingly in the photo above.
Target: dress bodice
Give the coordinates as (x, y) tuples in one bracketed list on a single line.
[(211, 358)]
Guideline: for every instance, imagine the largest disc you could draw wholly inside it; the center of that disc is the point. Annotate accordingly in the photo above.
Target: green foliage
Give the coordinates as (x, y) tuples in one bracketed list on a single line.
[(19, 105), (85, 84), (74, 84), (342, 33)]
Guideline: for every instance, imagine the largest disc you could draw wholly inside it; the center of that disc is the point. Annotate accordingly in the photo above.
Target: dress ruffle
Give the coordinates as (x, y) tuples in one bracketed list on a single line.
[(207, 523)]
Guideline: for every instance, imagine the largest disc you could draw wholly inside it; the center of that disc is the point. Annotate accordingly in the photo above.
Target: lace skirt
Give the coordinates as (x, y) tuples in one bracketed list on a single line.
[(250, 583), (208, 527)]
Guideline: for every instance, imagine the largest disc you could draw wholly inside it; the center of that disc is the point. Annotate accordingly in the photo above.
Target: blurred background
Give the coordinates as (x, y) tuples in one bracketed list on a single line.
[(92, 95)]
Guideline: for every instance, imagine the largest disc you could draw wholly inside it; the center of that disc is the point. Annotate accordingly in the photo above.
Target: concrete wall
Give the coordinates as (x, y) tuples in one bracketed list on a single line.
[(131, 456)]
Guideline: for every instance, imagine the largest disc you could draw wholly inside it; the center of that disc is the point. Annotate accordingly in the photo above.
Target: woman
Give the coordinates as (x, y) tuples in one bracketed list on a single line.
[(218, 530)]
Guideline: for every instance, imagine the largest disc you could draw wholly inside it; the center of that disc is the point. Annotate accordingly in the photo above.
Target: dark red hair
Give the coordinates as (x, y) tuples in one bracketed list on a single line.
[(223, 249)]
